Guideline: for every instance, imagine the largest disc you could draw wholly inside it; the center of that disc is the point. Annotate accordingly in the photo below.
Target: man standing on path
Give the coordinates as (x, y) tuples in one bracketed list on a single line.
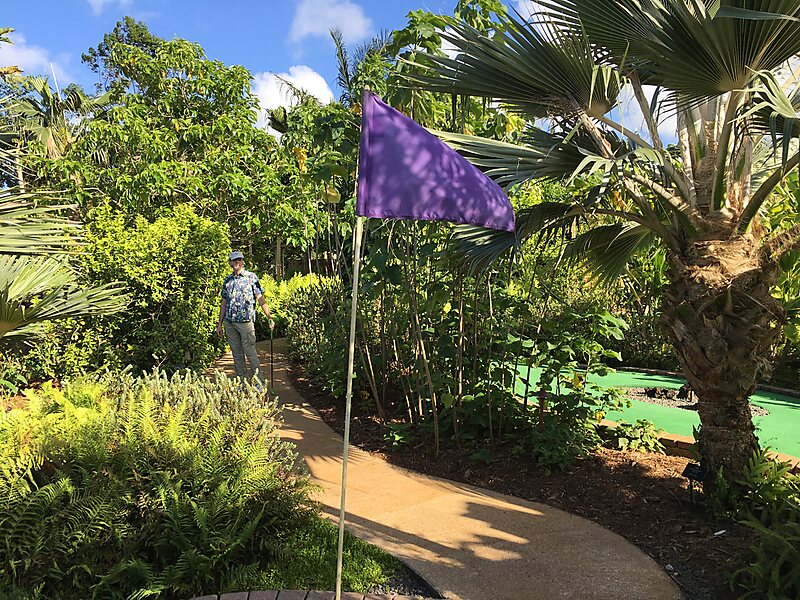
[(240, 292)]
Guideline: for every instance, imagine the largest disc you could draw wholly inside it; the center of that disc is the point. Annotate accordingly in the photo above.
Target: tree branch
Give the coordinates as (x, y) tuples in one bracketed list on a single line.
[(718, 193), (602, 143), (628, 133), (674, 200), (686, 155), (654, 222), (622, 215), (652, 126)]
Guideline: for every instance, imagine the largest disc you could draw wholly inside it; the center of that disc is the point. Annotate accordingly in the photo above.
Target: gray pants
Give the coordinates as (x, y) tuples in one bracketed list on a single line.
[(242, 339)]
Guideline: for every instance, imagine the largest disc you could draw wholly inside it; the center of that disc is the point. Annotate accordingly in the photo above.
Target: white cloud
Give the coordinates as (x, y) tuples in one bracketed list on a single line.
[(99, 5), (526, 8), (272, 92), (318, 17), (34, 60)]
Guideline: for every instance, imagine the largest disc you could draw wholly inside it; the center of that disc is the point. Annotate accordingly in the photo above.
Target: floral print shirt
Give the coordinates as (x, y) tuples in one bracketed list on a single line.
[(240, 293)]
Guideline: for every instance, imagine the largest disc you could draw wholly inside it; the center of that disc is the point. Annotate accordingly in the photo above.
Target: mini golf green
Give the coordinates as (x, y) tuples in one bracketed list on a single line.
[(778, 430)]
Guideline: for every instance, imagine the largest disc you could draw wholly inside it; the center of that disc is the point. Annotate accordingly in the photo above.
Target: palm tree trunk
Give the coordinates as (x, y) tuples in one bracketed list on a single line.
[(720, 318)]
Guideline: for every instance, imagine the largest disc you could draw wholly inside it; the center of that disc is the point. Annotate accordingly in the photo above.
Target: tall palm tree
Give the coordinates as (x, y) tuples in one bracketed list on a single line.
[(37, 283), (54, 119), (727, 69)]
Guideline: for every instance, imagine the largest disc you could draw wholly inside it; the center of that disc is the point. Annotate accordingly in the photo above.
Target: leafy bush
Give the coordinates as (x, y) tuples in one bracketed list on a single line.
[(641, 436), (563, 425), (279, 296), (12, 375), (770, 505), (122, 487), (315, 311), (70, 347), (172, 268)]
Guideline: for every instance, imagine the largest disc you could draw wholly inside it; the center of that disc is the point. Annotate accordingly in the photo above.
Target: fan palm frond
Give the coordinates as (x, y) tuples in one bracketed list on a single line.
[(544, 155), (533, 70), (606, 250), (38, 289), (27, 229), (695, 48), (475, 249)]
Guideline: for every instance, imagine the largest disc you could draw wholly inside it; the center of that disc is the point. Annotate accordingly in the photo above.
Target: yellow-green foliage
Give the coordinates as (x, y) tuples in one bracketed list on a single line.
[(315, 312), (280, 296), (172, 268), (123, 487)]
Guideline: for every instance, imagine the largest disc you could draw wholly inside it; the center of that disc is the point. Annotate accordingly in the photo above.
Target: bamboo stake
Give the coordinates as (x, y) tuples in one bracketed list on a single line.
[(357, 234), (423, 353), (459, 361)]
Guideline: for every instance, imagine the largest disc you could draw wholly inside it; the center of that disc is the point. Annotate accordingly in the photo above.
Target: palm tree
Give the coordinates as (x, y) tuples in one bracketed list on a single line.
[(727, 69), (37, 283), (53, 119)]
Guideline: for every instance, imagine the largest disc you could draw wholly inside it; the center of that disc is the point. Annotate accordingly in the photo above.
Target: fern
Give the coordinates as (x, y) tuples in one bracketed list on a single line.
[(123, 487)]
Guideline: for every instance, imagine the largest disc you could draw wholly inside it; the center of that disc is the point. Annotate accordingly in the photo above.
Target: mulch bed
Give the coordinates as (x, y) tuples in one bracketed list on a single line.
[(640, 496), (676, 399)]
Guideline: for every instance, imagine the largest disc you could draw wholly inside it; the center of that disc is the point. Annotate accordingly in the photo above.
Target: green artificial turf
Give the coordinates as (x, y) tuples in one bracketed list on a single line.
[(778, 430)]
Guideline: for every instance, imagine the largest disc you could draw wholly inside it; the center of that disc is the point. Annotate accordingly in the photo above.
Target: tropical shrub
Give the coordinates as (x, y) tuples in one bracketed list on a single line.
[(157, 486), (278, 295), (172, 268), (67, 348), (314, 311), (641, 436), (492, 372), (12, 375), (771, 507)]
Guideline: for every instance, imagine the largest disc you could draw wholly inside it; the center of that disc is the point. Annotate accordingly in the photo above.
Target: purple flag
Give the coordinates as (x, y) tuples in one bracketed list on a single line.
[(406, 172)]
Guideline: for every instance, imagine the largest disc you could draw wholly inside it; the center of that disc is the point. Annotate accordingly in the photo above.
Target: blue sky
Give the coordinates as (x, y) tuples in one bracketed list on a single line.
[(287, 37)]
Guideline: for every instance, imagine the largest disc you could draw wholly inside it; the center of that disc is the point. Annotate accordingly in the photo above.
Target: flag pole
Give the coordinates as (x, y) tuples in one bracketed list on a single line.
[(357, 235)]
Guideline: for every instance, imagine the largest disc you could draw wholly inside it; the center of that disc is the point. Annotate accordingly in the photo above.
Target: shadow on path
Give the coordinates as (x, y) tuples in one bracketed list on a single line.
[(466, 542)]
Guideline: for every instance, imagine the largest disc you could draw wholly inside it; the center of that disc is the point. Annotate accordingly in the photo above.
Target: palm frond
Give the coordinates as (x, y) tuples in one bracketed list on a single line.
[(695, 48), (475, 249), (38, 289), (344, 77), (544, 155), (534, 71), (606, 250), (773, 113), (27, 229)]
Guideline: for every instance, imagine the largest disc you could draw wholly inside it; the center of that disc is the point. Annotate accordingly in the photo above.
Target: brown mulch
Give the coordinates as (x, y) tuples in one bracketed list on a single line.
[(640, 496), (8, 403), (674, 399)]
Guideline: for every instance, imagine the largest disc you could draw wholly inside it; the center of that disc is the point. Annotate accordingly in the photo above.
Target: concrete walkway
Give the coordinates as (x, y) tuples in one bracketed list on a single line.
[(468, 543)]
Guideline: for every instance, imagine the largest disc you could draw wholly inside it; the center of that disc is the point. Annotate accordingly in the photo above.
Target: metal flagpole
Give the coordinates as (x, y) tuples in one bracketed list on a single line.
[(357, 235)]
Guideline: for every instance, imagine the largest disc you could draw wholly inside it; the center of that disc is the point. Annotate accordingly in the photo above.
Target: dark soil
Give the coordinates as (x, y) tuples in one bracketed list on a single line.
[(406, 583), (676, 399), (641, 496)]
